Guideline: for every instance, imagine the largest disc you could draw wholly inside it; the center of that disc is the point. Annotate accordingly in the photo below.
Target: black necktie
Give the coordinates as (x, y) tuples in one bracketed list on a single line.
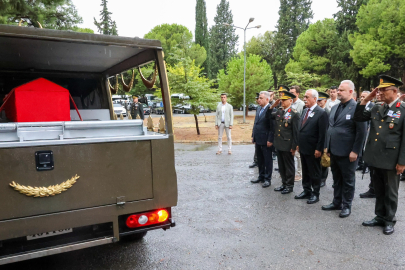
[(386, 107), (338, 111)]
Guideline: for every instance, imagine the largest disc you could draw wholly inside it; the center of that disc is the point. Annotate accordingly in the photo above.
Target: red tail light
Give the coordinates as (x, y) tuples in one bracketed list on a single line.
[(147, 218)]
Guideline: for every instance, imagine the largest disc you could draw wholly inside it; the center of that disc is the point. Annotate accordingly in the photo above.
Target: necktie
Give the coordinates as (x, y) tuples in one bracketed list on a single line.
[(338, 111), (306, 117), (261, 111), (386, 107)]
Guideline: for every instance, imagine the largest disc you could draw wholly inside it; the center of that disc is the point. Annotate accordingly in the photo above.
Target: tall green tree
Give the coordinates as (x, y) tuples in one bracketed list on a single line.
[(258, 78), (264, 46), (223, 40), (185, 77), (52, 14), (346, 16), (378, 47), (294, 18), (177, 43), (106, 25), (201, 29)]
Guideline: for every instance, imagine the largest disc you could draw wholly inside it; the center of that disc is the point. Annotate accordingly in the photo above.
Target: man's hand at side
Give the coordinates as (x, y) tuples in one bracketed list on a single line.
[(353, 156), (216, 127), (269, 144), (317, 154), (230, 127), (400, 168)]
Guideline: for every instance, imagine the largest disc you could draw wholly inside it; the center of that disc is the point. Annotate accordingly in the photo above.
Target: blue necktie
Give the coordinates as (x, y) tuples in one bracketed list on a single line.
[(261, 111)]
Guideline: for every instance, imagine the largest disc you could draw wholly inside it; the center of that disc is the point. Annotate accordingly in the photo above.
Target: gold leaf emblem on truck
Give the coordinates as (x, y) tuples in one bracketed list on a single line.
[(45, 191)]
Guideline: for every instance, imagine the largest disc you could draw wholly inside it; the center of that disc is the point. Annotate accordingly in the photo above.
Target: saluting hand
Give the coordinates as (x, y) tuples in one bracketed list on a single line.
[(370, 97), (400, 168), (402, 97), (276, 103)]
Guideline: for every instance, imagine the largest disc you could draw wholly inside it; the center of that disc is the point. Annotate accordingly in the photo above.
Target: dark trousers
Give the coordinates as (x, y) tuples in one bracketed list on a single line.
[(386, 184), (324, 173), (311, 174), (286, 168), (344, 180), (264, 161)]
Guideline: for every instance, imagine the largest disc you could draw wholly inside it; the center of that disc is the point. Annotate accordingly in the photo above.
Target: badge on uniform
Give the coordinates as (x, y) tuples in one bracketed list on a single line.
[(348, 116), (398, 114), (398, 104), (391, 126), (311, 114), (390, 113)]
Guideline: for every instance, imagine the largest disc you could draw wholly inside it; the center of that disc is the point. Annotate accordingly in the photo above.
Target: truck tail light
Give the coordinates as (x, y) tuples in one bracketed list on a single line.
[(148, 218)]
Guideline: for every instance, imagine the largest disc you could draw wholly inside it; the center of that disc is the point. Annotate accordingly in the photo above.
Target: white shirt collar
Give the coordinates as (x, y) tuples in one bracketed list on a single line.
[(287, 109), (313, 107), (223, 103), (392, 103)]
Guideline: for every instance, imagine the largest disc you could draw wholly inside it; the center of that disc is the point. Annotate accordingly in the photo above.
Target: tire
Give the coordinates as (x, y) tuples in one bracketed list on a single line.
[(134, 237)]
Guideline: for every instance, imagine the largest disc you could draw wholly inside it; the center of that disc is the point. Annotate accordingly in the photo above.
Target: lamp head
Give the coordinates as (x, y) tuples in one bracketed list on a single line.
[(251, 20), (258, 26)]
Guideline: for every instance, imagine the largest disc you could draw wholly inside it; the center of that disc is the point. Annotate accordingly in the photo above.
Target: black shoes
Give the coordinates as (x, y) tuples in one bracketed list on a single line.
[(313, 199), (389, 229), (258, 180), (287, 190), (345, 213), (373, 223), (266, 184), (367, 194), (331, 207), (276, 169), (303, 195), (367, 170), (254, 164), (323, 183), (280, 188), (359, 168), (274, 156)]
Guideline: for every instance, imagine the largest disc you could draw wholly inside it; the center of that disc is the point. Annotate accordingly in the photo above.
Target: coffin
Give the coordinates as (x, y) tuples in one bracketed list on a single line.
[(38, 101)]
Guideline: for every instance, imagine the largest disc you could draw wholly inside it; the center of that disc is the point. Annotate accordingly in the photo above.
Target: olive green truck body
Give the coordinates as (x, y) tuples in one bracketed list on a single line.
[(123, 168)]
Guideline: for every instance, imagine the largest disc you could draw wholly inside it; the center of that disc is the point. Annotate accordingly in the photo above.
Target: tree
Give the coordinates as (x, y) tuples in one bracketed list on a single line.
[(177, 41), (56, 14), (294, 19), (258, 78), (346, 16), (223, 40), (264, 46), (106, 26), (378, 46), (201, 29), (185, 77)]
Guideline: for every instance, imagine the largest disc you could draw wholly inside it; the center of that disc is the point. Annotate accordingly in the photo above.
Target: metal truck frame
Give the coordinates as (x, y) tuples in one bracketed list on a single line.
[(70, 185)]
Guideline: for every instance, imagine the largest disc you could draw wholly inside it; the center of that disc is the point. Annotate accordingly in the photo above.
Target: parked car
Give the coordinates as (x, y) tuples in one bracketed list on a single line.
[(146, 109), (118, 109), (252, 106)]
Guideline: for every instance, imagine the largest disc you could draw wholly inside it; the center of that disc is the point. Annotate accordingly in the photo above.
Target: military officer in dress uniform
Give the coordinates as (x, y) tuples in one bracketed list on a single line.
[(136, 109), (385, 149), (285, 138)]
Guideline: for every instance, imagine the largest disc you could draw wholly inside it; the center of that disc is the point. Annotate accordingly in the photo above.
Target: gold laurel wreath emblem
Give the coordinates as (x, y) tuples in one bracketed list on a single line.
[(44, 191)]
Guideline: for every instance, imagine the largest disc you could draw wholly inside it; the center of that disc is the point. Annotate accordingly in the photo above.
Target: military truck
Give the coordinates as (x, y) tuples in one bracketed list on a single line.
[(92, 178)]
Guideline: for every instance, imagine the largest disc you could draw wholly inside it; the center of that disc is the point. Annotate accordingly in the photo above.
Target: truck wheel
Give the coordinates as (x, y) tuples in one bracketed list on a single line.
[(134, 237)]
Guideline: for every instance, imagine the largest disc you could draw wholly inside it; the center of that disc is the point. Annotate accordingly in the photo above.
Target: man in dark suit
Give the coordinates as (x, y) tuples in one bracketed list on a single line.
[(362, 165), (263, 137), (311, 140), (285, 138), (385, 149), (344, 143)]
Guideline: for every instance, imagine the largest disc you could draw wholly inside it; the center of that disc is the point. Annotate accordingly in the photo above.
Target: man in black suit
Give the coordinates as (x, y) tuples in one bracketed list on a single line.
[(362, 165), (263, 137), (344, 143), (311, 140)]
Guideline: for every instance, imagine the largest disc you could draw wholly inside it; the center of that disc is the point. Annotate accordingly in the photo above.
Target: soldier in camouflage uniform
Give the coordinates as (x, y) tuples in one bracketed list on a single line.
[(385, 149), (136, 109)]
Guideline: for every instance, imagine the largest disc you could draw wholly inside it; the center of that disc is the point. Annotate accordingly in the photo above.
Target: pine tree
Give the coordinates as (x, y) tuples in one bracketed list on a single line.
[(223, 40), (346, 17), (106, 26), (294, 19), (201, 29)]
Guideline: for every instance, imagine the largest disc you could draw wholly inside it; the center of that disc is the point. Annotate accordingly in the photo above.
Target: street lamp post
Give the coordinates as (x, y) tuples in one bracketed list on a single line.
[(244, 63)]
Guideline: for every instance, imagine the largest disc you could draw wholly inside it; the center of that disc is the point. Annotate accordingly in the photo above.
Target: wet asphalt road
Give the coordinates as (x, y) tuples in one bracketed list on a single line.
[(225, 222)]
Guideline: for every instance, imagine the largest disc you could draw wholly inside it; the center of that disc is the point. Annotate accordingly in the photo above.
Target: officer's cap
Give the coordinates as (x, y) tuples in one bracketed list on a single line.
[(257, 95), (134, 97), (322, 96), (386, 81), (283, 88), (286, 95)]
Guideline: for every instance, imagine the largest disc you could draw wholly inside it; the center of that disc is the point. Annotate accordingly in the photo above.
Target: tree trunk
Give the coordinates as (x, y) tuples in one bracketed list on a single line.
[(196, 124)]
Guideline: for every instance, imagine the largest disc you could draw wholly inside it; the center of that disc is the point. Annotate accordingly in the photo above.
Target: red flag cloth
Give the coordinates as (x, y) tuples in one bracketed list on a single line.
[(38, 101)]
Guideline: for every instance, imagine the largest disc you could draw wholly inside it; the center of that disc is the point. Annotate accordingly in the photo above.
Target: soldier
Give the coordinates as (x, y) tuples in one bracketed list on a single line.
[(136, 109), (285, 139), (385, 149)]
